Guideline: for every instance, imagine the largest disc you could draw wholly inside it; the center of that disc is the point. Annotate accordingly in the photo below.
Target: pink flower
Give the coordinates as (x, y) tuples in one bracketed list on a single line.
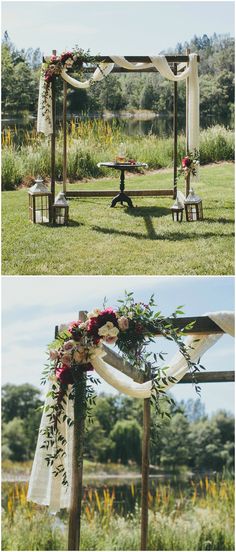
[(123, 323), (68, 345), (73, 324), (53, 354), (66, 359)]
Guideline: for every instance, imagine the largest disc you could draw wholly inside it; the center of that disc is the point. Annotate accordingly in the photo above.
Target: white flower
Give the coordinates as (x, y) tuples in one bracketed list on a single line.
[(69, 62), (94, 313), (123, 323), (130, 315), (83, 325), (108, 330)]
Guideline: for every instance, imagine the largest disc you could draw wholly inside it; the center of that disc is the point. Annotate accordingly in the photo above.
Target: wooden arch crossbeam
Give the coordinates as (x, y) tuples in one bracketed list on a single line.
[(203, 325), (172, 192)]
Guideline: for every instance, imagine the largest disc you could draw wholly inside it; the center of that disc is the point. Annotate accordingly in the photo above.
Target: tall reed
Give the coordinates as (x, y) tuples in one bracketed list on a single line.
[(90, 142)]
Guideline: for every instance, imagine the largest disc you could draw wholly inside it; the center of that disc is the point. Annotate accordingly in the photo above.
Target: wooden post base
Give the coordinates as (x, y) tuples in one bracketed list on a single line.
[(145, 473)]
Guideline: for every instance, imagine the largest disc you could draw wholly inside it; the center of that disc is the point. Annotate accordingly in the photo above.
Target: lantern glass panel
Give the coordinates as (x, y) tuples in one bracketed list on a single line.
[(60, 215), (194, 211), (177, 215), (41, 209)]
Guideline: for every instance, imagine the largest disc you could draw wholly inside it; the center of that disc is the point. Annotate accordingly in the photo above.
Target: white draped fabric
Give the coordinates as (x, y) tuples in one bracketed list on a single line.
[(46, 489), (44, 123)]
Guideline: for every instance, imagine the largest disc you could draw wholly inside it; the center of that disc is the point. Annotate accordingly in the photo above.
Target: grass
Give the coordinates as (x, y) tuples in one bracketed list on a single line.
[(201, 517), (143, 240)]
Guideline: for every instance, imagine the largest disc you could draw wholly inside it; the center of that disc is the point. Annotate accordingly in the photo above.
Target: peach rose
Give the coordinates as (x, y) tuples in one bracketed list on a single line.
[(123, 323)]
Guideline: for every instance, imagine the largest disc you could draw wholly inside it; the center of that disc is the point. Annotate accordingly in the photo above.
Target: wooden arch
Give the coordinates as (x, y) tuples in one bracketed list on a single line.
[(173, 61), (202, 325)]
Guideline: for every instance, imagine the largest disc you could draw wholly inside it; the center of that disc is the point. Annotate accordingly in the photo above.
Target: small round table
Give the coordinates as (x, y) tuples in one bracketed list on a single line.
[(122, 167)]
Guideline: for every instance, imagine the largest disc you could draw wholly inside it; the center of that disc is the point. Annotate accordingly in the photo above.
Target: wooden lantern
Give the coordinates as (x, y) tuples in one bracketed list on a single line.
[(193, 207), (177, 211), (40, 203), (60, 210)]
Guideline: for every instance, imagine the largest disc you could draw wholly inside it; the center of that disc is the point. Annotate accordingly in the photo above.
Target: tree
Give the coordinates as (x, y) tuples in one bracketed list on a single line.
[(15, 440), (111, 96), (22, 402), (175, 450), (19, 401), (7, 75), (98, 446), (126, 436)]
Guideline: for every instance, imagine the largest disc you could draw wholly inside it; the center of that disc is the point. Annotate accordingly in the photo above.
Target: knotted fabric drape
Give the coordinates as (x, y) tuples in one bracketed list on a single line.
[(46, 489), (44, 123)]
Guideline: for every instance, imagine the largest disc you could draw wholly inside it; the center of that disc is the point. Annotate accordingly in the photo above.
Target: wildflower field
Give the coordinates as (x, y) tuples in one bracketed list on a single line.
[(196, 516)]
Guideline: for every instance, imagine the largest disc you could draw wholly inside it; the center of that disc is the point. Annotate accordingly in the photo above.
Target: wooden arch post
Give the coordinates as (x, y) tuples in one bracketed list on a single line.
[(64, 135), (53, 136), (187, 181), (175, 132)]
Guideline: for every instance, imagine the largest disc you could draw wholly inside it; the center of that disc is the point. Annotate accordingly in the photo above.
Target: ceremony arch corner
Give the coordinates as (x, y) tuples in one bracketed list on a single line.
[(45, 489), (172, 67)]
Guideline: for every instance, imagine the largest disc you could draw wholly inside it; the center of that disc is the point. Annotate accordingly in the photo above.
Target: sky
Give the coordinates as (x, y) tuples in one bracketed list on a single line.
[(124, 28), (33, 306)]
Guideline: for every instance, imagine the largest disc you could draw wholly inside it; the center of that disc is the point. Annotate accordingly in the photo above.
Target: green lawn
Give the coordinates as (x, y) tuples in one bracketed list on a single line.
[(143, 240)]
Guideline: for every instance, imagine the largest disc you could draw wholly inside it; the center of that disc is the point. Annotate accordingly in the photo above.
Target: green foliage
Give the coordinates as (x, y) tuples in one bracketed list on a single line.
[(175, 443), (213, 442), (126, 436), (19, 400), (15, 441), (20, 77), (189, 438), (21, 418)]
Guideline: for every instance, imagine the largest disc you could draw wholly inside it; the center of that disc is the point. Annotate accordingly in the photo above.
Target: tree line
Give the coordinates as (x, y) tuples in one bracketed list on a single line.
[(188, 438), (21, 70)]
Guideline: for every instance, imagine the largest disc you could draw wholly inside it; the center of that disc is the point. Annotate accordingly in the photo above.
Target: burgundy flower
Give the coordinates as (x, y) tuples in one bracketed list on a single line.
[(96, 322), (186, 162), (64, 374), (139, 328), (66, 55)]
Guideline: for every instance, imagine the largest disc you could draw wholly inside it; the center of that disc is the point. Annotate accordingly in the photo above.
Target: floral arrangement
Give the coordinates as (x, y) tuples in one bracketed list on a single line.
[(72, 58), (53, 66), (189, 164), (131, 327)]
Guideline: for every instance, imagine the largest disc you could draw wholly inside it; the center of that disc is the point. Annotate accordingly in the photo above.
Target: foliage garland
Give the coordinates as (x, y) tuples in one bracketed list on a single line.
[(131, 327)]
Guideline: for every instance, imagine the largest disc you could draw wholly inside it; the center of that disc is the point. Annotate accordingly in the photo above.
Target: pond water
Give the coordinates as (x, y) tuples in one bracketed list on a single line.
[(131, 126)]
